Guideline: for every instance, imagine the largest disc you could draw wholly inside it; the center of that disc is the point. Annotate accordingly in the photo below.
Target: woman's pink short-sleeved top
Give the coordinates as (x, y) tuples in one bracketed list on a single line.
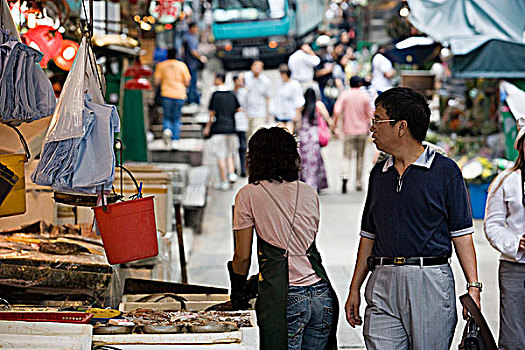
[(254, 207)]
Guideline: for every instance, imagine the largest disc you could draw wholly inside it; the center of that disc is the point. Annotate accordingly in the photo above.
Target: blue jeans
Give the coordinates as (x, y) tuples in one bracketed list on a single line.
[(242, 150), (309, 316), (193, 94), (172, 111)]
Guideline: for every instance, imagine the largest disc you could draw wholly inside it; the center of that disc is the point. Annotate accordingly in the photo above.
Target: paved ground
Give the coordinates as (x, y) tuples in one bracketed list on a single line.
[(338, 238)]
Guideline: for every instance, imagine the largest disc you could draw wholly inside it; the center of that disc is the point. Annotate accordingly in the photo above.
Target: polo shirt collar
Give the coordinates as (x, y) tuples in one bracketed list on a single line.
[(425, 159), (222, 88)]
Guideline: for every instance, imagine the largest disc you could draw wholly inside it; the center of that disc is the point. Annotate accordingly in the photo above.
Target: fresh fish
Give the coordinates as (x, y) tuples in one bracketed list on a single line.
[(62, 248)]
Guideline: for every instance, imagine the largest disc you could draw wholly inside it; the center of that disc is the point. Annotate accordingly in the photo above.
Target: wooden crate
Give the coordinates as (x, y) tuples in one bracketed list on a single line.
[(419, 80), (196, 302)]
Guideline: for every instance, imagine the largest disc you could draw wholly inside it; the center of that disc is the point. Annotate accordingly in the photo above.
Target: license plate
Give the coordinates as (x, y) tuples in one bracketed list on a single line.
[(250, 52)]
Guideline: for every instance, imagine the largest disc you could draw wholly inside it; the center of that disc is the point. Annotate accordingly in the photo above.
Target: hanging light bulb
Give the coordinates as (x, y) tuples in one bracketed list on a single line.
[(404, 11), (145, 26)]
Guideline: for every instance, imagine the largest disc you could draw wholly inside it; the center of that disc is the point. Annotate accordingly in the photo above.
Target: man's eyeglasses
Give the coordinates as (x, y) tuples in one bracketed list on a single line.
[(377, 121)]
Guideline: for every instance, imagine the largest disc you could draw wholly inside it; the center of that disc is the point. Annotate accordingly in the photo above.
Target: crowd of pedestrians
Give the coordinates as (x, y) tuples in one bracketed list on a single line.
[(176, 79), (417, 210), (417, 207), (328, 83)]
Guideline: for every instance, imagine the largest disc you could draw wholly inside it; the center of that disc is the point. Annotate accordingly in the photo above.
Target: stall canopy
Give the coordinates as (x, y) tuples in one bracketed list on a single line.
[(494, 59), (414, 50), (486, 37)]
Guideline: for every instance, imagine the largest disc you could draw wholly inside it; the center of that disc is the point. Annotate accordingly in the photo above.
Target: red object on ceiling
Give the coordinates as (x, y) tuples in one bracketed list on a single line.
[(48, 40), (138, 71), (60, 60)]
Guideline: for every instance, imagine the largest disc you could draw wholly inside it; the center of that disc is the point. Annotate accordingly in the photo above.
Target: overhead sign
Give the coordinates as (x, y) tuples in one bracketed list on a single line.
[(165, 11)]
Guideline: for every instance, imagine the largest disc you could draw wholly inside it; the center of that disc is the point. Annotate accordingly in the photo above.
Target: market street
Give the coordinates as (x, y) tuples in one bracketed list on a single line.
[(338, 240), (129, 130)]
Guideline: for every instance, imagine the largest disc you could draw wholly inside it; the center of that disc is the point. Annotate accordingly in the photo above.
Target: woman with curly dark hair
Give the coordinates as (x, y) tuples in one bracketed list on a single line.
[(296, 306)]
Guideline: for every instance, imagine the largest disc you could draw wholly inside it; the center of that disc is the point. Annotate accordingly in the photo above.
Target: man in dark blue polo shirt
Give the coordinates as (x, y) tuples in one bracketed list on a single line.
[(416, 207)]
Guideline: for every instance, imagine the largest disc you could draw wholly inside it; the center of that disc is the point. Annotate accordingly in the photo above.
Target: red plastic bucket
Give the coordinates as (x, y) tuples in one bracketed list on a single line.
[(128, 230)]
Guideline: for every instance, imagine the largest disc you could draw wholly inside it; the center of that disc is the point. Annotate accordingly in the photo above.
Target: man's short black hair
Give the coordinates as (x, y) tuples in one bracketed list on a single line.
[(220, 74), (401, 103), (192, 24), (283, 68), (355, 81), (235, 76), (172, 54)]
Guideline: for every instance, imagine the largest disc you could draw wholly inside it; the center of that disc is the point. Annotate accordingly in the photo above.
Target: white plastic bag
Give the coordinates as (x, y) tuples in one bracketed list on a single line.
[(67, 119)]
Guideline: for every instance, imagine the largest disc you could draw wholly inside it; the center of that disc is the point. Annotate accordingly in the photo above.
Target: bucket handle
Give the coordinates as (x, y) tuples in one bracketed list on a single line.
[(22, 140), (118, 164)]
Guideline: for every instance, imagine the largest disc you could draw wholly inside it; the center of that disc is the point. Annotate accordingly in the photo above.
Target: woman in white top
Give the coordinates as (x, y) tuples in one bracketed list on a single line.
[(505, 230)]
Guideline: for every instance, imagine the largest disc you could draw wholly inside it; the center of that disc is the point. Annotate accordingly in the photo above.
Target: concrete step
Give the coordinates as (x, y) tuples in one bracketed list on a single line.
[(187, 151)]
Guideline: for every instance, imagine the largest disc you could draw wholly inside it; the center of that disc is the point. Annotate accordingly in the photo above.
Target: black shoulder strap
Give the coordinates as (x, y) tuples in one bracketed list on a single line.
[(290, 222), (488, 339)]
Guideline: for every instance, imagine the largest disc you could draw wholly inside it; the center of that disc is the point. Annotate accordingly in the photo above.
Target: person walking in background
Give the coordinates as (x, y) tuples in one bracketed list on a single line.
[(330, 76), (241, 120), (354, 107), (313, 172), (296, 306), (288, 100), (382, 71), (258, 99), (505, 230), (221, 129), (416, 207), (193, 59), (173, 77), (302, 64)]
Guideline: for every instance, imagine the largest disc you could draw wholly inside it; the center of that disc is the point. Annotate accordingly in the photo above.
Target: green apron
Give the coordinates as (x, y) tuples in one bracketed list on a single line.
[(273, 293)]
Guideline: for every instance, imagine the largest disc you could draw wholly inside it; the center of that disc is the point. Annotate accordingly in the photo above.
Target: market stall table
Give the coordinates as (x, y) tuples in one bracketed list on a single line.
[(41, 267)]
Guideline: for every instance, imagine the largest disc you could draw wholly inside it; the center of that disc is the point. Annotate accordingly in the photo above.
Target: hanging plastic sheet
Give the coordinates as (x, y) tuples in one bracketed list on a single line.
[(67, 119), (78, 151), (96, 157), (26, 93)]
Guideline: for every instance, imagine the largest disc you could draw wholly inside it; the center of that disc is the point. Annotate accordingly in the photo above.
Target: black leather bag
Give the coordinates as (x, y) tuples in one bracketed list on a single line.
[(472, 339), (476, 335)]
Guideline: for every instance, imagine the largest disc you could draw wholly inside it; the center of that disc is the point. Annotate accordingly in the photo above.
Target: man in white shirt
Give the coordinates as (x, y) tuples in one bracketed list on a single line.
[(382, 72), (287, 100), (302, 63), (258, 99)]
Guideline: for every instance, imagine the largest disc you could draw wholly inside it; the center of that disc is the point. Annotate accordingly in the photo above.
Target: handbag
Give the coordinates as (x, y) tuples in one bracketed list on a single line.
[(330, 89), (323, 131), (472, 339), (476, 335)]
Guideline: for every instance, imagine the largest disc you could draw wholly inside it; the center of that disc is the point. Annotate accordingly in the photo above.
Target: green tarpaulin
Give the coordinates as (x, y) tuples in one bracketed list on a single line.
[(495, 59)]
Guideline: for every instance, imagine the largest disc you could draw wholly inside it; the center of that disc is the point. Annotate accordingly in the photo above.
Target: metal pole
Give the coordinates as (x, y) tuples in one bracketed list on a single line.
[(91, 18), (182, 255), (106, 9)]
